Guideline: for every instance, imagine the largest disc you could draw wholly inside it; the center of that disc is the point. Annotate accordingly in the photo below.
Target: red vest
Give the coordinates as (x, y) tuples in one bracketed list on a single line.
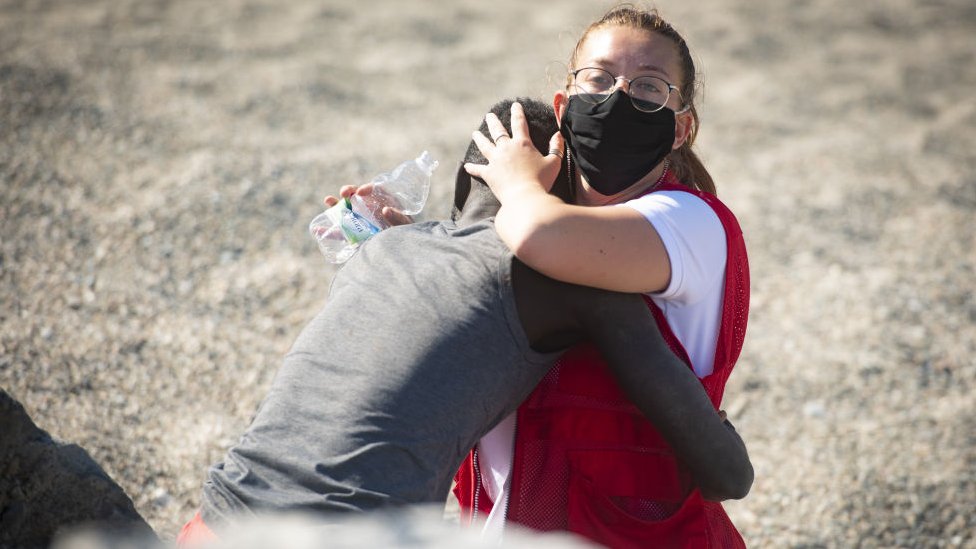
[(586, 460)]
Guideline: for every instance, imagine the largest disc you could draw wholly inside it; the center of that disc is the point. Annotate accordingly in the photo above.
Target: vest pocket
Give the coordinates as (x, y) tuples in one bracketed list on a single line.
[(628, 498)]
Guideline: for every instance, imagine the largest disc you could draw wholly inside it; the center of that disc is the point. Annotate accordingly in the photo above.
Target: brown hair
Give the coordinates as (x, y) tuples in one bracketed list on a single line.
[(684, 162)]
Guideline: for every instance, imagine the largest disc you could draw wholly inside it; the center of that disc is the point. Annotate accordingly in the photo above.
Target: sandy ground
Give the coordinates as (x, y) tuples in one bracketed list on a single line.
[(159, 162)]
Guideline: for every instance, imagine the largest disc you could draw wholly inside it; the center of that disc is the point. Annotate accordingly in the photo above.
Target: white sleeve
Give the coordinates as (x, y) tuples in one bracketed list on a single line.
[(694, 239)]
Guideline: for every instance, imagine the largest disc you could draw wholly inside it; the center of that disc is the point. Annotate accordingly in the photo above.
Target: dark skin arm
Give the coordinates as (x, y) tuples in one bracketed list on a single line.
[(556, 315)]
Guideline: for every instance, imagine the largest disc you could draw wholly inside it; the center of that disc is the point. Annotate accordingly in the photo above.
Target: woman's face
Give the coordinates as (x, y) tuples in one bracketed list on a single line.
[(629, 52)]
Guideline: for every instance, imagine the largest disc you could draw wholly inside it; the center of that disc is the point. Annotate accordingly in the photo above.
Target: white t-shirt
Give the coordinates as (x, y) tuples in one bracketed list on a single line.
[(692, 304)]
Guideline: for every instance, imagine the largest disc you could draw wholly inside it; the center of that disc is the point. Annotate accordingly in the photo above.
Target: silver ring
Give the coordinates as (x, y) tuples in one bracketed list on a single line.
[(495, 139), (556, 152)]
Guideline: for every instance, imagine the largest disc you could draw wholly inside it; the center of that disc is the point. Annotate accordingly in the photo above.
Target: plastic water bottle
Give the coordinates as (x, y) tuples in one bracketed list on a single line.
[(341, 229)]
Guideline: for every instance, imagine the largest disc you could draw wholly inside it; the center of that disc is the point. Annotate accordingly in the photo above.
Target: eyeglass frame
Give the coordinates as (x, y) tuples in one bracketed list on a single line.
[(616, 79)]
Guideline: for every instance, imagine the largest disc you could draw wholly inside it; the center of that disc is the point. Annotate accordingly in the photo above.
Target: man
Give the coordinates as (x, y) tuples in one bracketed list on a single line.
[(434, 332)]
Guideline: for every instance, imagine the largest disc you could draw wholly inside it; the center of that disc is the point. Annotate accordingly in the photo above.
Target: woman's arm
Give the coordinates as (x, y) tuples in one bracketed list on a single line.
[(609, 248), (605, 247)]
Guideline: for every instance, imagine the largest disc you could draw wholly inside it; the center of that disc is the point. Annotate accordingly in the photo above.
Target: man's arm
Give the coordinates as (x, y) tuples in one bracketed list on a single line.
[(666, 391)]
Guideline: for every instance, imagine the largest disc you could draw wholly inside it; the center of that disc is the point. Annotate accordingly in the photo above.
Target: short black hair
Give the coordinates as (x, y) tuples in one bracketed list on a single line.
[(542, 125)]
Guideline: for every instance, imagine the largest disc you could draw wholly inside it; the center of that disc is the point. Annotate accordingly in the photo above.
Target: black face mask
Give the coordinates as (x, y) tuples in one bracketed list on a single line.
[(614, 143)]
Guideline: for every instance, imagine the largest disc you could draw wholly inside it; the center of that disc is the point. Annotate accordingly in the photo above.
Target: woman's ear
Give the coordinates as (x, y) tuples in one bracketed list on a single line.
[(559, 102), (683, 125)]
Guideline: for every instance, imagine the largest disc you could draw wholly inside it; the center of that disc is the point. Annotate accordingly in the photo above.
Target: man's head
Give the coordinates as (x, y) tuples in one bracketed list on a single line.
[(542, 125)]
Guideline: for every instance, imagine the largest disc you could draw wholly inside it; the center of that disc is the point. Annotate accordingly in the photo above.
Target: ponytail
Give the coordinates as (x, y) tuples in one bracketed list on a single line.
[(690, 171), (686, 165)]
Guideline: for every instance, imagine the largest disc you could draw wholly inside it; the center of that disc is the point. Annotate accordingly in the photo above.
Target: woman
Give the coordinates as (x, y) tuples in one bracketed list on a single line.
[(577, 455)]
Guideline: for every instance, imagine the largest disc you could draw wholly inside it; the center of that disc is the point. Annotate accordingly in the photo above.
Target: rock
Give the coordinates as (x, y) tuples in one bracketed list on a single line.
[(50, 486), (404, 528)]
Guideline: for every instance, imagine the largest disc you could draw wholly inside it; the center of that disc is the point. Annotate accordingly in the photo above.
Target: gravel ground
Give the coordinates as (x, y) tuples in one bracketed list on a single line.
[(159, 162)]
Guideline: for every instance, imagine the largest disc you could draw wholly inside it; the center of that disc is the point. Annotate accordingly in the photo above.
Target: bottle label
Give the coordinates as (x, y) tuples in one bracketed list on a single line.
[(355, 227)]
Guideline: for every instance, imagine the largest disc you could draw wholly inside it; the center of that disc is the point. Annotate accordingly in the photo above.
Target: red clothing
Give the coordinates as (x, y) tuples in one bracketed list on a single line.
[(586, 460), (195, 533)]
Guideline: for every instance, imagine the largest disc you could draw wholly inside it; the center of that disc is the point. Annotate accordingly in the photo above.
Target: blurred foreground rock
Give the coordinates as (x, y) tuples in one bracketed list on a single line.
[(47, 486), (410, 527)]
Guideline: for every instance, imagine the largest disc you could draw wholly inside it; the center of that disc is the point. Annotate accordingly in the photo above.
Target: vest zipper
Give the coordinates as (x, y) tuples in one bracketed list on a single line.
[(477, 483), (511, 483)]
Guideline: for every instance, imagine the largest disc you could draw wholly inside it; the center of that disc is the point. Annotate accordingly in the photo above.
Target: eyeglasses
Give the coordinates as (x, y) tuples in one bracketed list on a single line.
[(647, 93)]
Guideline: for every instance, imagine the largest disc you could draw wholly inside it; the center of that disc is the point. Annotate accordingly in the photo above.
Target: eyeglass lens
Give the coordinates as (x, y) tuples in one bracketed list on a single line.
[(647, 93)]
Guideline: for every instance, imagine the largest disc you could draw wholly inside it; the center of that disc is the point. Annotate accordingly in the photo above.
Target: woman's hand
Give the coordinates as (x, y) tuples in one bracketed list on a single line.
[(391, 215), (515, 166)]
